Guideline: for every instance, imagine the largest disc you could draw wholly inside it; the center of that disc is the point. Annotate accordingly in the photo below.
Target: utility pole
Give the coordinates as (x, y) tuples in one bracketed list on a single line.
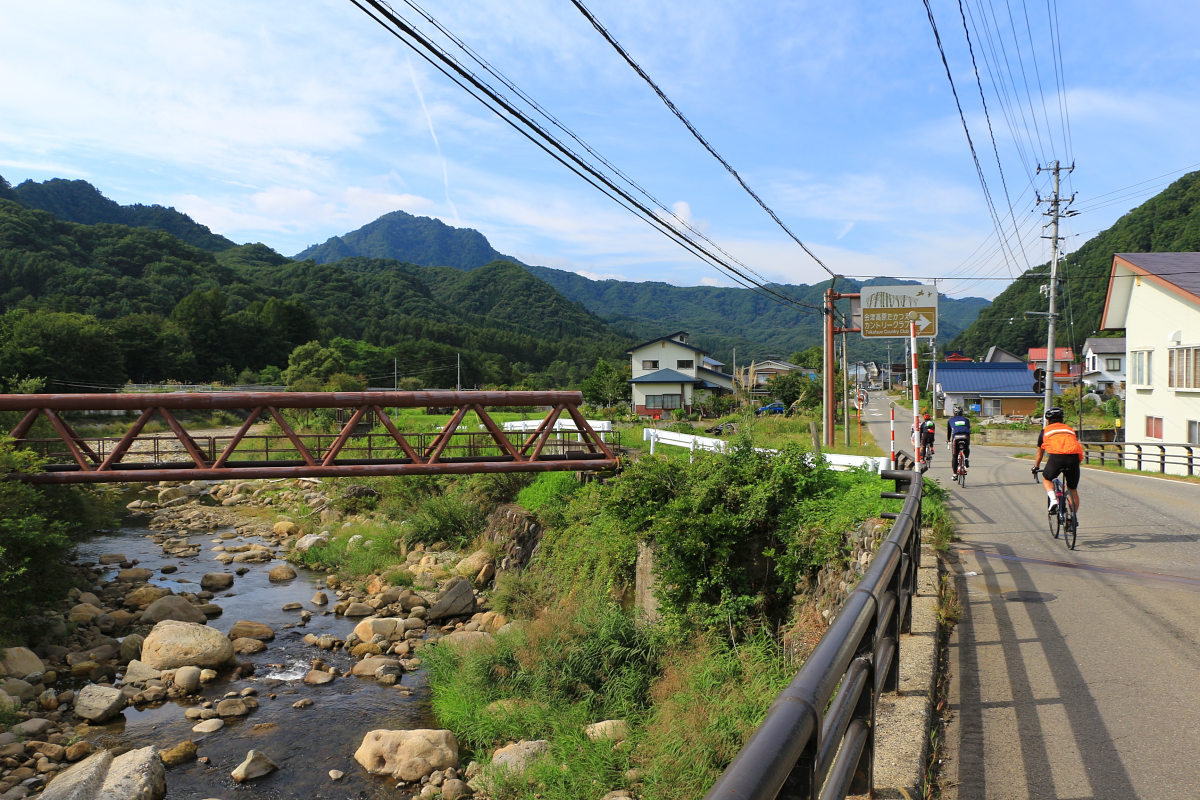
[(1054, 213), (933, 399), (458, 374)]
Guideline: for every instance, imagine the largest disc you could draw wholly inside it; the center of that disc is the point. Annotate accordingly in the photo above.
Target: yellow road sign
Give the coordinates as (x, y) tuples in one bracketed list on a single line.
[(888, 310)]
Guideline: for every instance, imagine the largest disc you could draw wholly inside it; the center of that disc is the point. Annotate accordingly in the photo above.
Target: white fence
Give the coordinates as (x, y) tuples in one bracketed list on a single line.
[(837, 461), (601, 426)]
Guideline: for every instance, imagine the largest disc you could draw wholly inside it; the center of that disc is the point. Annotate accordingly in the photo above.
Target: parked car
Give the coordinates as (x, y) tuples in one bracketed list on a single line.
[(770, 408)]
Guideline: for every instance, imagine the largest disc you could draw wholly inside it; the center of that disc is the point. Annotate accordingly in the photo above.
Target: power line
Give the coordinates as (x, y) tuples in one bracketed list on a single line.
[(699, 137), (387, 18)]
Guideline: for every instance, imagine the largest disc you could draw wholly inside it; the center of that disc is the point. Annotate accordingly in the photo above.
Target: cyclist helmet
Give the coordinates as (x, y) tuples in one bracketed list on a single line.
[(1054, 414), (927, 416), (958, 411)]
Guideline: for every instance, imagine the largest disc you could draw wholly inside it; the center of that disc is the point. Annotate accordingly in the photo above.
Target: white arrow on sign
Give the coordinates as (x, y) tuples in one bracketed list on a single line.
[(923, 322)]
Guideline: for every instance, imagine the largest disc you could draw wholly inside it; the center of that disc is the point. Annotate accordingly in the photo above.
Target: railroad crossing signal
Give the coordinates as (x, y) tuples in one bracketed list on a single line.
[(1039, 380)]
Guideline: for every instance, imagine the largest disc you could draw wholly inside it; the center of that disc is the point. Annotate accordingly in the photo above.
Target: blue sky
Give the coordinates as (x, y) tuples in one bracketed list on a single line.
[(288, 123)]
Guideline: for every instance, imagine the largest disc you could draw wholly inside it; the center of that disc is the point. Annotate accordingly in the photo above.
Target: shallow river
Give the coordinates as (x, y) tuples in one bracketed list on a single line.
[(305, 743)]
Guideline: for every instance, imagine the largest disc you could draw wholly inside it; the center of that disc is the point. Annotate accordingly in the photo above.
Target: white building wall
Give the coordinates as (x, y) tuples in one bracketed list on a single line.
[(1153, 316), (668, 354)]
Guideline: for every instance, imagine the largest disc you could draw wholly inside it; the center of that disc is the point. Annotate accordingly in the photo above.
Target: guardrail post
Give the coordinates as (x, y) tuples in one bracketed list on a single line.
[(1190, 462), (1162, 459)]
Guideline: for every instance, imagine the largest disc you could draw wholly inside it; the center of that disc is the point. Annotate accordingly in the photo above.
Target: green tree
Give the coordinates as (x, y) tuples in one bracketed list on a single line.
[(312, 361), (607, 386), (812, 358), (788, 387), (73, 352)]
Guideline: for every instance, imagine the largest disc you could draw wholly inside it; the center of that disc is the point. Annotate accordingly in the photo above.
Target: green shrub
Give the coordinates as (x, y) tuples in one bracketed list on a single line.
[(445, 518), (549, 495)]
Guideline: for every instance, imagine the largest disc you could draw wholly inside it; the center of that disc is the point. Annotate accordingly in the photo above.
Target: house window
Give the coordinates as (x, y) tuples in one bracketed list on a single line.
[(648, 364), (1154, 427), (1183, 367), (1193, 431), (992, 407), (1112, 364), (1140, 367), (684, 363), (665, 402)]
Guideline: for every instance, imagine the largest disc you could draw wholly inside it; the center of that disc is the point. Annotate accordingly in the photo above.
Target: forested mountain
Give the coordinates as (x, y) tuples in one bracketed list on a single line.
[(79, 201), (93, 305), (722, 318), (404, 237), (1168, 222)]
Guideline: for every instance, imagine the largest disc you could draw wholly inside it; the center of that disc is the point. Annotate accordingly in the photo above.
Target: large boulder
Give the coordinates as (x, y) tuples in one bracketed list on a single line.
[(177, 644), (407, 755), (173, 607), (370, 665), (456, 600), (136, 775), (472, 564), (387, 627), (281, 572), (98, 704), (518, 756), (137, 672), (143, 597), (19, 662)]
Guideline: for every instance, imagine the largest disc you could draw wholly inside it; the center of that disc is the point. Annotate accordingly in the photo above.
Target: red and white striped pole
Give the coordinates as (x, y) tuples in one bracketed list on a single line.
[(892, 433), (916, 391)]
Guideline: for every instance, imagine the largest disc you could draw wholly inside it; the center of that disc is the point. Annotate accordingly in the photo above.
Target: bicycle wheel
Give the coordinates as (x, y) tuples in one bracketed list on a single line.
[(1069, 524), (1054, 520)]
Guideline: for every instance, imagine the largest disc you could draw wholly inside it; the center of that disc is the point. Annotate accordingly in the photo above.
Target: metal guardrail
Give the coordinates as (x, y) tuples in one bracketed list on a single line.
[(818, 737), (1146, 456)]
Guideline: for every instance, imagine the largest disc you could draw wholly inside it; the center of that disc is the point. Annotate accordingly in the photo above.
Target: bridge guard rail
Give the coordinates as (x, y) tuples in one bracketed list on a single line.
[(817, 740)]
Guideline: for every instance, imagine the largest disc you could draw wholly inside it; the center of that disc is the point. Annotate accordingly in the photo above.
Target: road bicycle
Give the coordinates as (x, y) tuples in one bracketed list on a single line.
[(1064, 521), (927, 454), (960, 466)]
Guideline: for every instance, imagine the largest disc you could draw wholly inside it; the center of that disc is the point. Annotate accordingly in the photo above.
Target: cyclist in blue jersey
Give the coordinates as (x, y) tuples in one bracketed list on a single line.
[(958, 436)]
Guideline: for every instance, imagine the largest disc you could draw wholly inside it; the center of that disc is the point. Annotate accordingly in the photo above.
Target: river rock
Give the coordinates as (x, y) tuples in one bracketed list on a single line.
[(143, 597), (181, 753), (245, 646), (408, 755), (19, 662), (135, 574), (308, 541), (358, 610), (285, 527), (112, 558), (216, 581), (83, 613), (609, 729), (320, 599), (209, 725), (281, 572), (99, 704), (135, 775), (131, 647), (256, 765), (244, 628), (472, 564), (187, 679), (465, 641), (232, 707), (387, 627), (519, 755), (138, 672), (454, 789), (456, 600), (173, 607), (368, 666), (176, 644), (32, 728)]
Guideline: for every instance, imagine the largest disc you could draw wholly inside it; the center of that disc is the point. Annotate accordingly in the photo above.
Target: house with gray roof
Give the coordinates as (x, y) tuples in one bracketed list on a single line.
[(671, 374), (1104, 364)]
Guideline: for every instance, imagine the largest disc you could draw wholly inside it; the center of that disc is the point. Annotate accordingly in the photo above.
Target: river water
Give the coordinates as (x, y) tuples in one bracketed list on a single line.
[(305, 743)]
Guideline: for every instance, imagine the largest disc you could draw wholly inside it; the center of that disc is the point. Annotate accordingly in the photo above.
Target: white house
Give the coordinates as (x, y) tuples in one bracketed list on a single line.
[(1155, 297), (669, 374), (1104, 364)]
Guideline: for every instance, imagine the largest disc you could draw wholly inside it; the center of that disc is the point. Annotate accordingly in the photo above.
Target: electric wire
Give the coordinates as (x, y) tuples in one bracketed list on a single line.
[(608, 37), (387, 18)]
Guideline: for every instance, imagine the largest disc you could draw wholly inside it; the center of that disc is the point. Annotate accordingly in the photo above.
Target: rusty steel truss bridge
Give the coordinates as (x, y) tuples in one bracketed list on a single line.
[(368, 443)]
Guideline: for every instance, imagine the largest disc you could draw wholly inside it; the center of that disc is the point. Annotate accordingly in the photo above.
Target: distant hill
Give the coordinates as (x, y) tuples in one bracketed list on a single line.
[(79, 201), (720, 319), (404, 237), (1167, 222)]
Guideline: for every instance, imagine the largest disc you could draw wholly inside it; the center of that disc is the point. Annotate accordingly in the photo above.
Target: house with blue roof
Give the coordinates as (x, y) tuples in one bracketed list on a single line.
[(989, 389), (671, 374)]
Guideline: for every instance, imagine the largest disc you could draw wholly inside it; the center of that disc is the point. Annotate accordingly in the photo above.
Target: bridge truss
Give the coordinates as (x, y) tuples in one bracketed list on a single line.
[(384, 450)]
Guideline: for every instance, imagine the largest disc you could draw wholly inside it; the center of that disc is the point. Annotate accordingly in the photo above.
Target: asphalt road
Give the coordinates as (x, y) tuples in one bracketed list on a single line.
[(1073, 674)]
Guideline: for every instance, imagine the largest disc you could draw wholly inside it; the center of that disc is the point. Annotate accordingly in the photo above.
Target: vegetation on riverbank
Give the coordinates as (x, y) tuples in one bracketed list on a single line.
[(38, 525)]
